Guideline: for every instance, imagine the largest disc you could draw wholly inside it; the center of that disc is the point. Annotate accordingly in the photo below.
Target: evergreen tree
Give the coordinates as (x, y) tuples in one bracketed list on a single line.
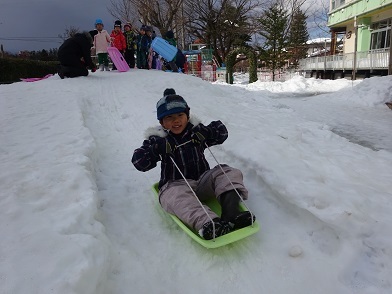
[(298, 36), (273, 27)]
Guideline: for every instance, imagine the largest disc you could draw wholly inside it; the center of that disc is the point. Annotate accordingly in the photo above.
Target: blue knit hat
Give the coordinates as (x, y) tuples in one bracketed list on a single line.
[(98, 21), (171, 104)]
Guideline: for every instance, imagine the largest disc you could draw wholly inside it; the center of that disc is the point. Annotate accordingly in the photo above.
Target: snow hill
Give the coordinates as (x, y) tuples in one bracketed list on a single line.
[(77, 217)]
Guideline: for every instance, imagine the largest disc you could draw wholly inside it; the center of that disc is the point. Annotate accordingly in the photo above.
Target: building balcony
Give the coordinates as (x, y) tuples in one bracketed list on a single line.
[(366, 60)]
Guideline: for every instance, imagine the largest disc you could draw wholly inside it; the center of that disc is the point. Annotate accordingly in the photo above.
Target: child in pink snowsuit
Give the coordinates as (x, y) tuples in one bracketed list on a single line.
[(101, 42), (183, 140)]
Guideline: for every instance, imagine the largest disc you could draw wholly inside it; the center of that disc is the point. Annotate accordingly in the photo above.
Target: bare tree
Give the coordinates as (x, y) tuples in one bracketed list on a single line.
[(320, 18), (69, 32), (291, 5), (221, 24), (123, 10), (163, 14)]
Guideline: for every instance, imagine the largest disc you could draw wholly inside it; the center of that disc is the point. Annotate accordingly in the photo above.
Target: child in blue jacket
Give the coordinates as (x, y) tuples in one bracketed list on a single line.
[(181, 141)]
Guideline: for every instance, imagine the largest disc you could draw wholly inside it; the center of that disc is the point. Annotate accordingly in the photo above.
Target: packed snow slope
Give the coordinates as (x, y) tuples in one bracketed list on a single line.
[(77, 217)]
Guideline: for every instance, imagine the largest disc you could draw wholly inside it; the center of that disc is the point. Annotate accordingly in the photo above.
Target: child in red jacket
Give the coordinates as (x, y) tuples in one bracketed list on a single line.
[(118, 39)]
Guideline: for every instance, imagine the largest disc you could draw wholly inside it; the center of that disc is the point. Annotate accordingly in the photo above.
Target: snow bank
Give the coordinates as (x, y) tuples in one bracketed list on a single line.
[(76, 217), (52, 241)]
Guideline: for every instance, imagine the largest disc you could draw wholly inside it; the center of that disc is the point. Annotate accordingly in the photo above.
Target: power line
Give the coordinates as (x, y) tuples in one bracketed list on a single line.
[(33, 39)]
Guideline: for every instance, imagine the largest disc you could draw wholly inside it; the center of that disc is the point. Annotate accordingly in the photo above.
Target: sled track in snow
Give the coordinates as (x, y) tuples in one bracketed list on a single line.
[(261, 191), (133, 220), (111, 129)]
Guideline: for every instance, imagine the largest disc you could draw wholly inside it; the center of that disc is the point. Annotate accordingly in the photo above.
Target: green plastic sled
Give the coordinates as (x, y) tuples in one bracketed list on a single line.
[(219, 241)]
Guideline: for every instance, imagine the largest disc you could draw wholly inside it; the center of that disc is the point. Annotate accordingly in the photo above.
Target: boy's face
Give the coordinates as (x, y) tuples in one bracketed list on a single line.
[(117, 29), (175, 123), (99, 27)]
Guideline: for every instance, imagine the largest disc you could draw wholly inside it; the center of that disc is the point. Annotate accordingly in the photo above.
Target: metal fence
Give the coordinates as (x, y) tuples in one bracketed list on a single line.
[(281, 76), (365, 60)]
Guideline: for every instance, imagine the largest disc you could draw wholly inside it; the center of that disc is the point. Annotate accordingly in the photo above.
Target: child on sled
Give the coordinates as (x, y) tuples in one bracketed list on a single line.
[(179, 144)]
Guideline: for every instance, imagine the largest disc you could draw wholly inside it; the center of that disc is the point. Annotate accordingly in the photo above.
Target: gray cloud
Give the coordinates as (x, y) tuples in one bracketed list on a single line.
[(35, 25)]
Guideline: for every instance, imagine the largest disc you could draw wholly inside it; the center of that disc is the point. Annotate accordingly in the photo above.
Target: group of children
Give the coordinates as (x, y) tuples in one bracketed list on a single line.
[(118, 39), (75, 53), (128, 43)]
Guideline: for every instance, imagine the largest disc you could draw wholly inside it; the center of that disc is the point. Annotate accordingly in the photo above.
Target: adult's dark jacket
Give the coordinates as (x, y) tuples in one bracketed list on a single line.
[(73, 49), (180, 59)]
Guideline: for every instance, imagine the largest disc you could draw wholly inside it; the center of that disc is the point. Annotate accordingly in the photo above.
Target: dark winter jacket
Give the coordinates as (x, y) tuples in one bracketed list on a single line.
[(186, 150), (130, 40), (75, 48), (144, 43), (169, 37), (180, 59)]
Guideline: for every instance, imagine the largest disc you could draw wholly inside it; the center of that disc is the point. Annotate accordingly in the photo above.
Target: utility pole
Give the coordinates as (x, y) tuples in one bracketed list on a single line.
[(325, 56), (1, 49), (355, 49), (390, 53)]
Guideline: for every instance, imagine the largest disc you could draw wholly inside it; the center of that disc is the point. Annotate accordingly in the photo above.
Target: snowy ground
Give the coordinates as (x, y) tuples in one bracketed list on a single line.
[(77, 217)]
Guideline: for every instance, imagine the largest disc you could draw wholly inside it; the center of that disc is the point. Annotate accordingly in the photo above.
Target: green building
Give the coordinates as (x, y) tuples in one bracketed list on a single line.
[(360, 40)]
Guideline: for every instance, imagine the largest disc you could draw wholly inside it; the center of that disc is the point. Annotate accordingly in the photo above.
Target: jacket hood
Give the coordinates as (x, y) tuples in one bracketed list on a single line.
[(161, 132)]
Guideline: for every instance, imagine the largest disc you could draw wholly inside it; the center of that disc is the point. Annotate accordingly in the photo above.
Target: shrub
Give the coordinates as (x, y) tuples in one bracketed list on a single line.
[(13, 69)]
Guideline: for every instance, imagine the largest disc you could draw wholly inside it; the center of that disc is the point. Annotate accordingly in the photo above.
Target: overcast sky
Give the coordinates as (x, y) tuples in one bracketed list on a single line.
[(44, 20), (36, 24)]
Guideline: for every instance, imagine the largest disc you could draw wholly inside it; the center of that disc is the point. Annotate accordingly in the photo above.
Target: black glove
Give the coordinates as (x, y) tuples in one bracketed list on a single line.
[(200, 133), (160, 146)]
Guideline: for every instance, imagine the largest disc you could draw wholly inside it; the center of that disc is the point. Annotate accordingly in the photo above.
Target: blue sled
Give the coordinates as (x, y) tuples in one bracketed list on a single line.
[(163, 48)]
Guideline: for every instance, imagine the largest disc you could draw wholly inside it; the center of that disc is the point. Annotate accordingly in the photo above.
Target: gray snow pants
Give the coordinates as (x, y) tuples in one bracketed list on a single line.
[(176, 197)]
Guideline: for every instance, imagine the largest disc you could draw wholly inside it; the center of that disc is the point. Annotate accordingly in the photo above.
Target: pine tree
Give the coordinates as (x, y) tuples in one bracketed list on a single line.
[(273, 25), (298, 36)]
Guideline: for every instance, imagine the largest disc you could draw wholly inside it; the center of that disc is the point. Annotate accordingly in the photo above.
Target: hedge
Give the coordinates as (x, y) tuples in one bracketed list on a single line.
[(231, 60), (13, 69)]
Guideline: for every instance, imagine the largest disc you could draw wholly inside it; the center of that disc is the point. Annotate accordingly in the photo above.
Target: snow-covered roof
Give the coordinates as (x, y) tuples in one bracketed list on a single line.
[(318, 41)]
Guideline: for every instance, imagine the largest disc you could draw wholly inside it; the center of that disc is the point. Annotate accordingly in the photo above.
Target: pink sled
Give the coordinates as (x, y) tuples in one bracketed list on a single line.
[(118, 59), (35, 79)]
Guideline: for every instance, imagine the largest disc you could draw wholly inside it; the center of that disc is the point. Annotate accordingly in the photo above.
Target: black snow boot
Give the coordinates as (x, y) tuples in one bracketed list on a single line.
[(60, 71), (231, 211), (243, 220), (230, 203), (221, 228)]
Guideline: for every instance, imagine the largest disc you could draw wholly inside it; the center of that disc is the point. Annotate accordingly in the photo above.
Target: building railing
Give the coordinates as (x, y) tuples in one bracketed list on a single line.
[(365, 60)]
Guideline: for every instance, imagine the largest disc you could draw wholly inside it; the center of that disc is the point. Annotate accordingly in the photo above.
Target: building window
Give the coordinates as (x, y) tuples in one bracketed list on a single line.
[(381, 35), (337, 3)]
